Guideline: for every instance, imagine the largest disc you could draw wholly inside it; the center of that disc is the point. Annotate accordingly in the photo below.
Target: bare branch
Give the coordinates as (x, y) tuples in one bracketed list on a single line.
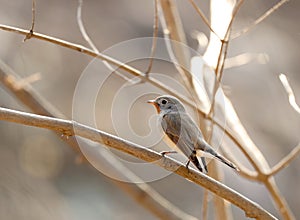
[(290, 92), (69, 128), (90, 42), (259, 20), (29, 34), (257, 159), (82, 28), (222, 57), (110, 60), (129, 69), (225, 41), (21, 83), (133, 71), (154, 38), (279, 199), (285, 161), (76, 47), (238, 136), (171, 22), (246, 58), (249, 149), (218, 78), (151, 200), (175, 40), (201, 14)]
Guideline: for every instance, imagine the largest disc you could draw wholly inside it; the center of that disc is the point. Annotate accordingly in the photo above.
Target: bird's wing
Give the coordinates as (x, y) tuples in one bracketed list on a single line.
[(182, 131), (180, 128)]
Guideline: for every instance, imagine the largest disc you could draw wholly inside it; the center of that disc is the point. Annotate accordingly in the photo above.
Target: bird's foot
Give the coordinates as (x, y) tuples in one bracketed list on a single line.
[(187, 165)]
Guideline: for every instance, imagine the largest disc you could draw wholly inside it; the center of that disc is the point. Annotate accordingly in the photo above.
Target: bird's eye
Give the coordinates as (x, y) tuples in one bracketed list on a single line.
[(164, 101)]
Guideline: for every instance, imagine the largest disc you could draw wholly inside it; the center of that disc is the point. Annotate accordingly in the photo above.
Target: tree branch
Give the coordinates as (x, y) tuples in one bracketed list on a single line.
[(236, 133), (90, 42), (175, 39), (108, 59), (29, 34), (154, 37), (289, 91), (71, 128), (285, 161), (151, 199), (203, 17), (171, 22), (129, 69), (259, 20)]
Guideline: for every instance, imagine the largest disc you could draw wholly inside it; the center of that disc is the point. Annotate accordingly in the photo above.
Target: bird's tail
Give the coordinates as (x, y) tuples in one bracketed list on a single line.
[(223, 159), (227, 162)]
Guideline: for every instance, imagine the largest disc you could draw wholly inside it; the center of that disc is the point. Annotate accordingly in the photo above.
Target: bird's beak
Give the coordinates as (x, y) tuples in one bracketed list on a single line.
[(153, 102)]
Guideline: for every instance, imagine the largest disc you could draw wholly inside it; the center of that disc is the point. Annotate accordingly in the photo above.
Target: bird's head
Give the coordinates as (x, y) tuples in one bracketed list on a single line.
[(166, 103)]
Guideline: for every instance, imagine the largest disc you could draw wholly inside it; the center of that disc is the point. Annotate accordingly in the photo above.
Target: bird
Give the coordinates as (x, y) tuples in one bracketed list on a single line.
[(184, 133)]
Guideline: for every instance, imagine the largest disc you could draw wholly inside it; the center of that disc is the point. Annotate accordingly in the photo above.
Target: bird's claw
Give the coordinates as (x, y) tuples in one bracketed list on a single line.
[(187, 165)]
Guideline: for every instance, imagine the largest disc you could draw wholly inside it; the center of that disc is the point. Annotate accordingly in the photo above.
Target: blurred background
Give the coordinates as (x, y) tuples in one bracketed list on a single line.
[(40, 178)]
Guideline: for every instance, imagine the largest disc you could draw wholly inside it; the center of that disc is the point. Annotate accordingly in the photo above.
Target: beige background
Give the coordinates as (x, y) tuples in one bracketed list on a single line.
[(38, 175)]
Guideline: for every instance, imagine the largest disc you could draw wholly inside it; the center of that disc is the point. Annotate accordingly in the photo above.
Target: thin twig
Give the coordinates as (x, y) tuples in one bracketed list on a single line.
[(279, 199), (175, 39), (221, 55), (220, 76), (245, 58), (90, 42), (29, 34), (108, 59), (201, 14), (75, 47), (222, 58), (21, 83), (225, 40), (154, 38), (221, 62), (67, 127), (259, 20), (227, 36), (289, 91), (82, 28), (285, 161)]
